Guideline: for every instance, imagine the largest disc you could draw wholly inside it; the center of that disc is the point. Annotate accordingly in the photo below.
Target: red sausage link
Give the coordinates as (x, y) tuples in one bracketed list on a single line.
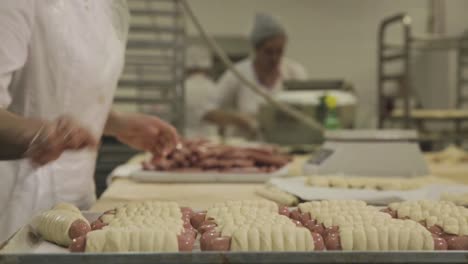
[(436, 230), (204, 228), (330, 230), (305, 217), (333, 242), (78, 244), (208, 222), (439, 243), (186, 211), (319, 244), (297, 223), (98, 224), (283, 210), (186, 243), (197, 219), (457, 242), (318, 228), (190, 231), (310, 225), (78, 228), (296, 215), (206, 238), (222, 243)]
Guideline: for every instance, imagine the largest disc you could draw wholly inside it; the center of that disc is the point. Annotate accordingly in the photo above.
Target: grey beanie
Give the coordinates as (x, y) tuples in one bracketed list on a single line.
[(265, 27)]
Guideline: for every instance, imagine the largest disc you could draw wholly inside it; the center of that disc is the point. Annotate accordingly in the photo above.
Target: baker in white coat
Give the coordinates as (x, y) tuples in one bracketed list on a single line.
[(63, 58), (267, 68)]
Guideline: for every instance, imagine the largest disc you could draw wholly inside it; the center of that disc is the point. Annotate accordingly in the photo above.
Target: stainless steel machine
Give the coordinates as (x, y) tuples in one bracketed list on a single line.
[(376, 153), (279, 128)]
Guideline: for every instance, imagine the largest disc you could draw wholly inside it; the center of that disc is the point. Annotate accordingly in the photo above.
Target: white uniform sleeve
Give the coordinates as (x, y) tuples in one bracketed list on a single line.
[(228, 87), (16, 22), (294, 70)]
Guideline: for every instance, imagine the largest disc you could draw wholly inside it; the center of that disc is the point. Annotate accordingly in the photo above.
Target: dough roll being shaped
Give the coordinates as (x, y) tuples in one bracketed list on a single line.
[(61, 224)]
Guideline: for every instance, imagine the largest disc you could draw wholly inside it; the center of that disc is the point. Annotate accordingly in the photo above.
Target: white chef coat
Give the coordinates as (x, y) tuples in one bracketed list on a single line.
[(240, 97), (57, 57)]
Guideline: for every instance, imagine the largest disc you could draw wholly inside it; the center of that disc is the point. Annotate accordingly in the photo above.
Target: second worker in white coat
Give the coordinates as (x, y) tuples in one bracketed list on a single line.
[(268, 68)]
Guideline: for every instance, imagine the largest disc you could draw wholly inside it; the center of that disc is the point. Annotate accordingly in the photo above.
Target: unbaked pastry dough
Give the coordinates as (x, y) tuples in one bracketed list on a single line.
[(262, 204), (364, 227), (54, 225), (375, 183), (451, 218), (274, 194), (272, 238), (132, 240), (149, 226), (148, 214), (456, 198), (452, 155), (394, 235)]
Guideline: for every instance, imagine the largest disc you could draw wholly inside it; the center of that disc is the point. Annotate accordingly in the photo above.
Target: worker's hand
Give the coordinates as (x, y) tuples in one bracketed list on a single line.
[(242, 121), (148, 133), (51, 139), (246, 123)]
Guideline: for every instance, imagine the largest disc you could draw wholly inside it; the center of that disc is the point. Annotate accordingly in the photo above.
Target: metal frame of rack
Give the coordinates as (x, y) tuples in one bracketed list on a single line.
[(390, 53), (153, 78), (245, 257), (462, 72)]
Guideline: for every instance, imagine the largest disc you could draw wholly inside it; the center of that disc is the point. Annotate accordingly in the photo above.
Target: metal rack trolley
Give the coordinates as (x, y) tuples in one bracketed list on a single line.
[(402, 53), (153, 78)]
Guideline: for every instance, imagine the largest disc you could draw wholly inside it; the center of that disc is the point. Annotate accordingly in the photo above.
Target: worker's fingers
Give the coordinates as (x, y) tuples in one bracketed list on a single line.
[(169, 138), (42, 158), (75, 136), (64, 124), (56, 137), (79, 138)]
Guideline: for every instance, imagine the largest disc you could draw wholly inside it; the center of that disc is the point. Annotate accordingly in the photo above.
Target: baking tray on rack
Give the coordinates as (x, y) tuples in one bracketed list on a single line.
[(239, 257), (25, 247)]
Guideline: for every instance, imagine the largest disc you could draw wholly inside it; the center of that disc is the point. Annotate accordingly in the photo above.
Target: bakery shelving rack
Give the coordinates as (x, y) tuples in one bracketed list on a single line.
[(153, 77), (402, 54)]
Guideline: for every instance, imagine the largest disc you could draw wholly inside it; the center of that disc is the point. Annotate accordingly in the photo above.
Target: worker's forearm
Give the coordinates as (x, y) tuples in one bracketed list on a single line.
[(15, 134), (113, 123), (224, 117)]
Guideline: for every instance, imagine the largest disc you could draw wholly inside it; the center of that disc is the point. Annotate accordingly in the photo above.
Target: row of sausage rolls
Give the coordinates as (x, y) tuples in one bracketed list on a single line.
[(140, 227), (443, 219), (256, 225), (352, 225)]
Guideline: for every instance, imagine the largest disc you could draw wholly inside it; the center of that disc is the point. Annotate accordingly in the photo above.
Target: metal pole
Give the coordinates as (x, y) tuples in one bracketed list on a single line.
[(381, 78), (407, 72), (380, 101)]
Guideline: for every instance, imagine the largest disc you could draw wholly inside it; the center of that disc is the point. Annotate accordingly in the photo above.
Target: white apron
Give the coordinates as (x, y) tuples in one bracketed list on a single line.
[(57, 57)]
